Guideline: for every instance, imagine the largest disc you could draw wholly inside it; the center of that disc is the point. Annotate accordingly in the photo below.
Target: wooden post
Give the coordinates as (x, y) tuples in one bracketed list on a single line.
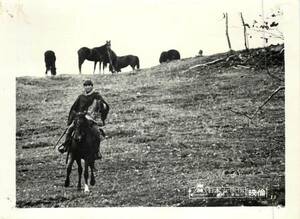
[(227, 35), (245, 33)]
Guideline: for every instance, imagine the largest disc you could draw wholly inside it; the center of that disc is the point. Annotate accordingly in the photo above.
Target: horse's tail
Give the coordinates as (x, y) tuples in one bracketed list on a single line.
[(79, 63), (137, 62), (81, 58)]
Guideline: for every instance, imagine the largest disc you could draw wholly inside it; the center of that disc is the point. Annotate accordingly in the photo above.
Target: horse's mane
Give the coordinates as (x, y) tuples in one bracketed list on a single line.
[(85, 125), (100, 48)]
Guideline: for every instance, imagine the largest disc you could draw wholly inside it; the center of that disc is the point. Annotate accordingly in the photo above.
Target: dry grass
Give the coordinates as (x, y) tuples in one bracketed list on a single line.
[(167, 129)]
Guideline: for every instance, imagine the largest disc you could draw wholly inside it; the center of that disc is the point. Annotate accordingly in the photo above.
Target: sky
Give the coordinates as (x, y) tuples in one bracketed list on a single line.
[(139, 27)]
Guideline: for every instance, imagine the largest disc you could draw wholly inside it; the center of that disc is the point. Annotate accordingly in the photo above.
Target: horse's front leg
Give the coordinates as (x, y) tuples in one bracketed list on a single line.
[(99, 67), (93, 181), (78, 161), (86, 176), (47, 69), (69, 169), (133, 67), (80, 62), (95, 63)]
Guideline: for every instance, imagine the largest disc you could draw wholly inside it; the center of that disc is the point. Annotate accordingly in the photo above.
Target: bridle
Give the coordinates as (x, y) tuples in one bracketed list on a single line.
[(79, 125)]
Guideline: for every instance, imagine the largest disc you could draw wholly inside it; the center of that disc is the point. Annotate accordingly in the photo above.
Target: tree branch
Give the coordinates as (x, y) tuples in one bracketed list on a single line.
[(260, 107), (273, 76), (212, 62)]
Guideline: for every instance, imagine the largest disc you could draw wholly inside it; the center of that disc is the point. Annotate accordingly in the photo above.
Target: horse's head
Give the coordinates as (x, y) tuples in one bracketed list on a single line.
[(80, 126), (117, 69), (108, 44), (112, 57)]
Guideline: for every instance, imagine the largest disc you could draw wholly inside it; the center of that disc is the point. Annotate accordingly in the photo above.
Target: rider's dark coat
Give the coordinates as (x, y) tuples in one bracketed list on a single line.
[(82, 103)]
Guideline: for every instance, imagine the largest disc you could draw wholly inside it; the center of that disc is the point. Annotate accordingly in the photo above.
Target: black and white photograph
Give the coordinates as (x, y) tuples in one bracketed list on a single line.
[(150, 103)]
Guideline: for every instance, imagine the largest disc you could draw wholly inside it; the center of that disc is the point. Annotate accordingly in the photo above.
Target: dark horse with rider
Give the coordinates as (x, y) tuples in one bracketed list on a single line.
[(83, 134)]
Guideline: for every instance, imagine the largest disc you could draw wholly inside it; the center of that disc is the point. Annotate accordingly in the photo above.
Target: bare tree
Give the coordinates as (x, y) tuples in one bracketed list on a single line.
[(227, 35), (270, 26), (245, 32)]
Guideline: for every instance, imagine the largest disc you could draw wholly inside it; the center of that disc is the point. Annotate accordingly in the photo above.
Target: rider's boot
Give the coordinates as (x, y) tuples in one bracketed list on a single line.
[(64, 146)]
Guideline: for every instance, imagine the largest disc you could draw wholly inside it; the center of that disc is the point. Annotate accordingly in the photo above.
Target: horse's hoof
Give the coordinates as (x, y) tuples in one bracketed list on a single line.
[(67, 183), (93, 182), (86, 189)]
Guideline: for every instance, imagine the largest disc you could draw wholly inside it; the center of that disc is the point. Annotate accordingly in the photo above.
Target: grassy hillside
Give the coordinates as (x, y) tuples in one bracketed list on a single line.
[(170, 128)]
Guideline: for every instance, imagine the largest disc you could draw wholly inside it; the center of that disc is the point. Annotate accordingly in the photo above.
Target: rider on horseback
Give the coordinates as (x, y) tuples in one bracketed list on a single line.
[(84, 103)]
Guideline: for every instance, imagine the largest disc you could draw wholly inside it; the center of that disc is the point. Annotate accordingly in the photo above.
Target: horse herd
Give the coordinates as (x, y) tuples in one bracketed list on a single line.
[(105, 55)]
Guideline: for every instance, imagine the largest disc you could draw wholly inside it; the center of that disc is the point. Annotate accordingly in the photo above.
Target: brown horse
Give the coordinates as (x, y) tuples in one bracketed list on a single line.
[(83, 146), (124, 61), (96, 54)]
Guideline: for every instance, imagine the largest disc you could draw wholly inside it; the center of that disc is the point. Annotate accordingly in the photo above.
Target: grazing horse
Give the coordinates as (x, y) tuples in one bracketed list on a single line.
[(124, 61), (50, 59), (96, 54), (163, 57), (170, 55), (173, 55), (83, 145)]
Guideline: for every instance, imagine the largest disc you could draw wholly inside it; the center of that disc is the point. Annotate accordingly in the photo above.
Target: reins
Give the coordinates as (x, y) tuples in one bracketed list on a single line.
[(60, 137)]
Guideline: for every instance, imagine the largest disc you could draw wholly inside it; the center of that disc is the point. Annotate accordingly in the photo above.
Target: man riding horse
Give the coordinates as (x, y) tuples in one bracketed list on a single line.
[(84, 103)]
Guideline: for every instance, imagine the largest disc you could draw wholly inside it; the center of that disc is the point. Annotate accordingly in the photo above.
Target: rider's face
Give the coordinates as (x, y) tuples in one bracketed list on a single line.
[(88, 88)]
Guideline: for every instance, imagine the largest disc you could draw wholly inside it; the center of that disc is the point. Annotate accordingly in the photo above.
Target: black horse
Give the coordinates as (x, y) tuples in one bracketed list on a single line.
[(97, 54), (50, 59), (82, 146), (124, 61), (106, 61), (170, 55), (163, 57)]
